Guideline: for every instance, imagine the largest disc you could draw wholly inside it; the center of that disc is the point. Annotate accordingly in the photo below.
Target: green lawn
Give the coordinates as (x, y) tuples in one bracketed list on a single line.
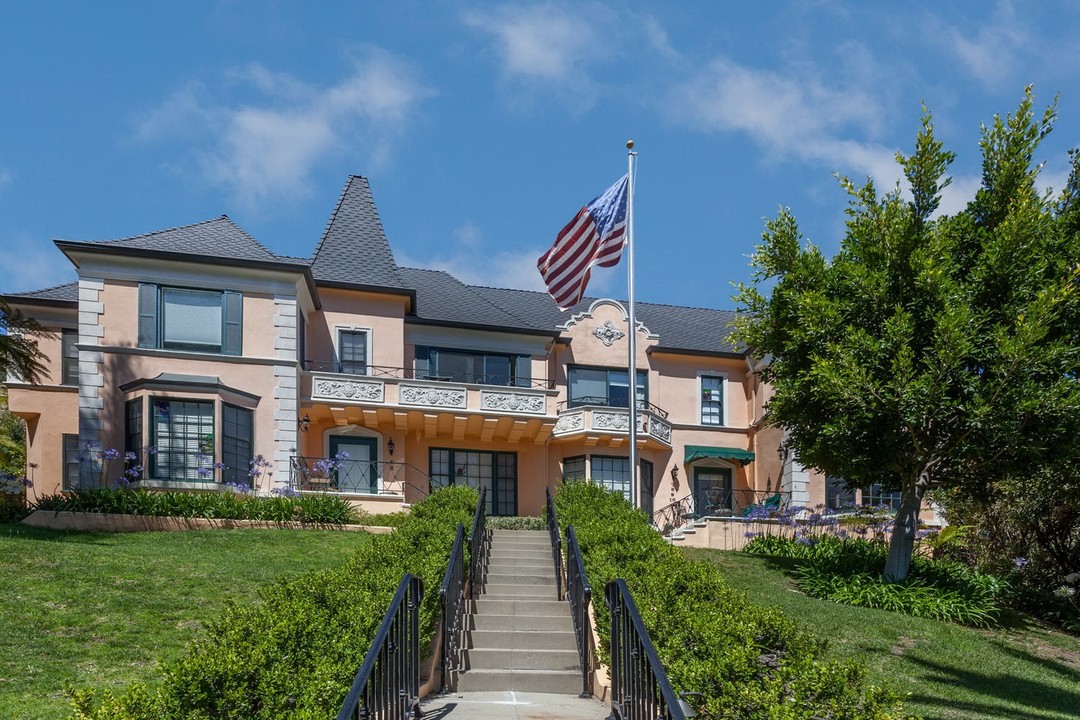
[(82, 609), (1023, 672)]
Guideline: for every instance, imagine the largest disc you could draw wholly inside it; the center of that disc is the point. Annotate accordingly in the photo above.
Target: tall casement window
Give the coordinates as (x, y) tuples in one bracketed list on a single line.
[(573, 469), (612, 472), (236, 444), (194, 320), (72, 464), (494, 471), (482, 368), (877, 495), (133, 427), (183, 433), (69, 340), (608, 387), (712, 400), (353, 352), (837, 494)]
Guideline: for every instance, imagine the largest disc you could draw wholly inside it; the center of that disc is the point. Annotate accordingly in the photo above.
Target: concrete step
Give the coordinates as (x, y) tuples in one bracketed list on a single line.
[(539, 566), (484, 606), (523, 553), (520, 533), (520, 576), (562, 682), (525, 623), (539, 541), (522, 639), (520, 659), (511, 591)]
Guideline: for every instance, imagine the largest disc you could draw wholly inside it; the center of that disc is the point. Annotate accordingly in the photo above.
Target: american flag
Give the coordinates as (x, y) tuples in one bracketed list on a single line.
[(594, 237)]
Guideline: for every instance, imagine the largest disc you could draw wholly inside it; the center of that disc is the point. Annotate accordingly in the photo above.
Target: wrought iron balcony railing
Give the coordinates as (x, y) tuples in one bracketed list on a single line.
[(353, 477), (403, 373), (609, 402)]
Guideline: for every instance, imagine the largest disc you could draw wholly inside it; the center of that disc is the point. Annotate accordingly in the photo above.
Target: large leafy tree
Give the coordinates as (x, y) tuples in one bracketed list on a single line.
[(19, 353), (932, 351)]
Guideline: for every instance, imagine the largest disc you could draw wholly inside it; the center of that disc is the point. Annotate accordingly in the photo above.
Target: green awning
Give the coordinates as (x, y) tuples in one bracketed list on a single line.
[(701, 452)]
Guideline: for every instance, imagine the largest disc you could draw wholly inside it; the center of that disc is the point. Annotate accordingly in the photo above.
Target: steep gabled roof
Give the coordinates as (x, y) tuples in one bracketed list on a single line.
[(353, 249), (216, 238), (442, 299)]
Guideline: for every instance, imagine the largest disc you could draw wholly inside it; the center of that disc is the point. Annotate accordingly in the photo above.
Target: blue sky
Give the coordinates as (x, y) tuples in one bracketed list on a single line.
[(483, 127)]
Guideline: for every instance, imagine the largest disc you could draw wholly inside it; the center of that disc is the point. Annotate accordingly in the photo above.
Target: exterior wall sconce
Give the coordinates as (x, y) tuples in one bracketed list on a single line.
[(304, 423), (390, 446)]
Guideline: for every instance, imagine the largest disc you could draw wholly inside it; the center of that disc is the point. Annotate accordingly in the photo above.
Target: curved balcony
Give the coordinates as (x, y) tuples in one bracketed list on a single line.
[(596, 417)]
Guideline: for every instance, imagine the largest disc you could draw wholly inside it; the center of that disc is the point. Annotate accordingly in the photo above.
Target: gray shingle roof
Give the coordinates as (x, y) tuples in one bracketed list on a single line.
[(680, 328), (68, 292), (219, 237), (353, 248), (442, 298)]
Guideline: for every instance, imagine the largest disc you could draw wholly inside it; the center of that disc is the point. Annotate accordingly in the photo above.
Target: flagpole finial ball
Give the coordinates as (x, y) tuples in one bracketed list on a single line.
[(629, 144)]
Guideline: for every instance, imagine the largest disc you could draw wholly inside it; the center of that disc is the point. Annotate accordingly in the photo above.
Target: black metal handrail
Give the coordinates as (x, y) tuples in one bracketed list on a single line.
[(404, 373), (674, 515), (579, 593), (639, 686), (608, 402), (388, 683), (478, 544), (451, 599), (556, 544)]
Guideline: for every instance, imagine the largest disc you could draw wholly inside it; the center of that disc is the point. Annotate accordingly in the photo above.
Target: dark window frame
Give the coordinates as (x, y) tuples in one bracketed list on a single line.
[(606, 401), (503, 497), (70, 449), (597, 477), (69, 357), (519, 367), (207, 458), (237, 451), (574, 475), (719, 404), (153, 327), (352, 365)]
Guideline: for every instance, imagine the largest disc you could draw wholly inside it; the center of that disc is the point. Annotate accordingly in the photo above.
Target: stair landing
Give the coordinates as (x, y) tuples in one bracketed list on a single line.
[(513, 705)]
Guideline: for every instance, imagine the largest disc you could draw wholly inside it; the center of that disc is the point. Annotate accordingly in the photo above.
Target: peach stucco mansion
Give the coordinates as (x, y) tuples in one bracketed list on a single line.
[(349, 373)]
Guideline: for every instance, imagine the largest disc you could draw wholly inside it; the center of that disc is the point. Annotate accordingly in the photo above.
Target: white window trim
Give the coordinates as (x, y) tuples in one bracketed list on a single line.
[(353, 328), (723, 397)]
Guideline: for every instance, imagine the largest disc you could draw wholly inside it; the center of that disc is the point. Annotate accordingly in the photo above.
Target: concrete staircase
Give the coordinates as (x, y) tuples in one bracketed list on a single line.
[(520, 636)]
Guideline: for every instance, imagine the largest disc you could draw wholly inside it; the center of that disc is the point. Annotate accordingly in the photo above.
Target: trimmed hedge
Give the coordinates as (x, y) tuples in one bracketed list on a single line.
[(294, 654), (326, 509), (747, 661)]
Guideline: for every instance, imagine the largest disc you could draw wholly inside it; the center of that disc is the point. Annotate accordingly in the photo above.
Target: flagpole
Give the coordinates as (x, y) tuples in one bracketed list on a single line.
[(634, 483)]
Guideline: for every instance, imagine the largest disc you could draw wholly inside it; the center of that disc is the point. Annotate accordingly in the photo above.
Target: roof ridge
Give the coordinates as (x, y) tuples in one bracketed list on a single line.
[(334, 213), (162, 230), (45, 289)]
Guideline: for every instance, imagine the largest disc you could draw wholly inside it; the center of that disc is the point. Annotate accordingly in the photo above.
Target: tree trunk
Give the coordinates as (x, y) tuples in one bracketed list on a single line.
[(902, 541)]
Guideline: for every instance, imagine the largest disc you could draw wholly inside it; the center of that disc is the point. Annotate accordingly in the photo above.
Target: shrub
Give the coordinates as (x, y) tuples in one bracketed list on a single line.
[(517, 523), (383, 519), (747, 661), (238, 505), (848, 571), (295, 652)]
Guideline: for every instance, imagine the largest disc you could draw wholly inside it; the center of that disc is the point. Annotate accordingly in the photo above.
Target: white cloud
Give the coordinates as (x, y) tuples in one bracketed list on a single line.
[(790, 115), (469, 234), (263, 152), (543, 42), (6, 177), (989, 52)]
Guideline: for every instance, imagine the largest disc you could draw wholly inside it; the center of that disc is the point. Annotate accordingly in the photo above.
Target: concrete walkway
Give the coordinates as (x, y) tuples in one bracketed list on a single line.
[(513, 705)]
